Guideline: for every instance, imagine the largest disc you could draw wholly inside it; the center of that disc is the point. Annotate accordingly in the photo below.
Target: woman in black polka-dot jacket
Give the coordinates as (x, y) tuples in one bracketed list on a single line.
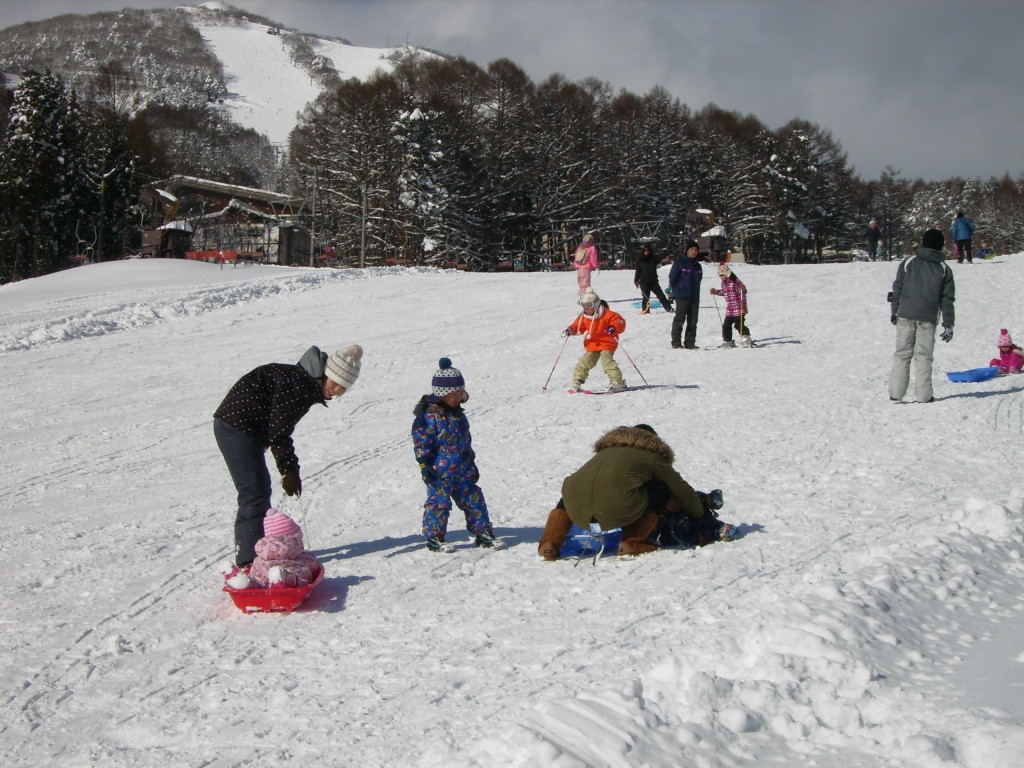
[(260, 411)]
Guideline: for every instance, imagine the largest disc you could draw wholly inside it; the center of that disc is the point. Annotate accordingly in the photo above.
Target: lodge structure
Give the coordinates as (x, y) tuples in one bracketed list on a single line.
[(187, 217)]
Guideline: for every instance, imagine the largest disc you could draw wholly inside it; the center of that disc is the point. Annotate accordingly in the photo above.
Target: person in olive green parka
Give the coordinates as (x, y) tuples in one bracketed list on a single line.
[(628, 481)]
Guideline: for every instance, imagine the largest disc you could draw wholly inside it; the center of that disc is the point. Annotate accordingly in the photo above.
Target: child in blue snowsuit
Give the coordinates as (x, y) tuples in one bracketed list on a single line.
[(444, 452)]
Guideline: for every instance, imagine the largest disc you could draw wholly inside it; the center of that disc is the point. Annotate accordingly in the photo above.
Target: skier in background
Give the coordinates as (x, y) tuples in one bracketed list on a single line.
[(646, 279), (600, 328), (586, 262), (735, 294)]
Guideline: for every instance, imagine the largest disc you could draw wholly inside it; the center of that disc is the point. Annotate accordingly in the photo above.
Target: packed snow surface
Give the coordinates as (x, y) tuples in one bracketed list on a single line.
[(871, 614)]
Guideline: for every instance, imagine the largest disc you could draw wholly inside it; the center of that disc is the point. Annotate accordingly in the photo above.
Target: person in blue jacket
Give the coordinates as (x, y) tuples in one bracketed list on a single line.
[(962, 231), (444, 451), (684, 280)]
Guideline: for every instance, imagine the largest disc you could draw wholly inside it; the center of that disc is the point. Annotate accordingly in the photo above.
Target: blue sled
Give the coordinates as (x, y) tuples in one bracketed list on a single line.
[(581, 543)]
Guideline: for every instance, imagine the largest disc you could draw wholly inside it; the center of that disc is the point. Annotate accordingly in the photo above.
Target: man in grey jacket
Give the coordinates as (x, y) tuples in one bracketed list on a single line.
[(922, 290)]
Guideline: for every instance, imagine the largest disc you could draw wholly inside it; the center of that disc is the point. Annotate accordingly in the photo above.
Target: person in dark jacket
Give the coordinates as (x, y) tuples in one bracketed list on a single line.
[(259, 412), (923, 289), (872, 239), (646, 279), (684, 280), (628, 483)]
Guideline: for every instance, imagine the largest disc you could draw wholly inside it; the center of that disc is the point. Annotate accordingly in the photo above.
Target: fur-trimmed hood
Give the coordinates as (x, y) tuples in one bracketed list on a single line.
[(631, 437)]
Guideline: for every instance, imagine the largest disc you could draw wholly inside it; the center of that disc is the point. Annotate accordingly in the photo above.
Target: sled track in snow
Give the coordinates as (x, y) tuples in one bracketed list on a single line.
[(1009, 412)]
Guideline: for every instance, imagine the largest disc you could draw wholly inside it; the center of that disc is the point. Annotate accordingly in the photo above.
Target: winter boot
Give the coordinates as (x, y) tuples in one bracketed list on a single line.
[(635, 535), (488, 540), (437, 544), (555, 531), (727, 344), (617, 386)]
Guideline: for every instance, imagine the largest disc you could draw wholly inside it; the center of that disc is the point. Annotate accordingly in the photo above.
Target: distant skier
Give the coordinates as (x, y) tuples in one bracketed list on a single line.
[(443, 448), (600, 328), (735, 294), (586, 262), (646, 279)]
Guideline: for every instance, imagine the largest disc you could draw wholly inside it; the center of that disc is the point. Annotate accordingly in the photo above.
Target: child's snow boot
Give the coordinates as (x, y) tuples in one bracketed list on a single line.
[(437, 544)]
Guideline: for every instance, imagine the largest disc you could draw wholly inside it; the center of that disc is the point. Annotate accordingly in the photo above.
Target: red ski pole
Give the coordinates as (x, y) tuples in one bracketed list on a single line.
[(545, 387)]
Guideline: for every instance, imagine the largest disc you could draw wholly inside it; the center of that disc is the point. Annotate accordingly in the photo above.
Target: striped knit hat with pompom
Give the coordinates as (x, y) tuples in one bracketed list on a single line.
[(343, 366), (447, 379)]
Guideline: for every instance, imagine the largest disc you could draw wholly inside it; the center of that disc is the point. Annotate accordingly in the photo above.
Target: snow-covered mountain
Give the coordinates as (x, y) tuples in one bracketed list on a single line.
[(259, 72), (266, 86)]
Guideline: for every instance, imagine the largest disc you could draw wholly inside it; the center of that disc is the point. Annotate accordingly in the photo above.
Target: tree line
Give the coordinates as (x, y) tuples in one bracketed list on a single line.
[(443, 162)]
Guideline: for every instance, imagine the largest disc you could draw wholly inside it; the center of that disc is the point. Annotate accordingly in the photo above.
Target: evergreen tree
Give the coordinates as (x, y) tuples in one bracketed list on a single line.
[(43, 179)]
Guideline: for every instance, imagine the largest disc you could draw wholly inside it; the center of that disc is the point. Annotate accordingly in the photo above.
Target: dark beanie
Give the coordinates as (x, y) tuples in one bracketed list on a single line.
[(933, 239)]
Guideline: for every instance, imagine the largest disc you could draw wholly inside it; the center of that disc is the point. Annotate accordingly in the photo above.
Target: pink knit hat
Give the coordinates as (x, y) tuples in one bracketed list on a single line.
[(1004, 338), (279, 524)]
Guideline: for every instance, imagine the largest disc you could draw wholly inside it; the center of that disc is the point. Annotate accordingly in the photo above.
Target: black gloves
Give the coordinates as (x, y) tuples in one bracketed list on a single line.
[(567, 332), (892, 319), (610, 330), (947, 333), (292, 484), (428, 474)]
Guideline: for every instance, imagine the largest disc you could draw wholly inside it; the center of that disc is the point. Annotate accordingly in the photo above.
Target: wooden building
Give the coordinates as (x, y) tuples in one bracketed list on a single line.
[(186, 215)]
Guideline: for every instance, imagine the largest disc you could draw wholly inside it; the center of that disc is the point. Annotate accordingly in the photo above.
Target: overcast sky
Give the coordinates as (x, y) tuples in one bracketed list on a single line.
[(933, 88)]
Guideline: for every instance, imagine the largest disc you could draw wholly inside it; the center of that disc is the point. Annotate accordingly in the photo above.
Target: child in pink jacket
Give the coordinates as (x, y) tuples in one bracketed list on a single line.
[(585, 260), (1010, 359)]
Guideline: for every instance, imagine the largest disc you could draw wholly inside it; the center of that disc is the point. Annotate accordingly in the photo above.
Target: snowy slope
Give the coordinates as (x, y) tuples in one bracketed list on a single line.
[(266, 88), (871, 614)]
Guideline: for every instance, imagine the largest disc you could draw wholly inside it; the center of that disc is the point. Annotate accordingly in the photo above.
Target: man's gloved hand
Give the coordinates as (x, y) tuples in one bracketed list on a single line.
[(567, 333), (292, 484), (947, 333), (428, 474), (610, 330), (892, 319)]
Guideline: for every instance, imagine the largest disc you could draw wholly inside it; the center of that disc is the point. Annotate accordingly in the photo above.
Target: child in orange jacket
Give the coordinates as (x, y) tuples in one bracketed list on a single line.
[(600, 328)]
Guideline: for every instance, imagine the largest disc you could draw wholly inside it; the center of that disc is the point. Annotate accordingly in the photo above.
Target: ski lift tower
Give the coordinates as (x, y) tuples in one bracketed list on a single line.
[(645, 231)]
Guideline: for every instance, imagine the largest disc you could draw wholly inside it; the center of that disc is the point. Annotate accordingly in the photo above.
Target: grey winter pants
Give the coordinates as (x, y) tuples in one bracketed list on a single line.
[(248, 469), (915, 340)]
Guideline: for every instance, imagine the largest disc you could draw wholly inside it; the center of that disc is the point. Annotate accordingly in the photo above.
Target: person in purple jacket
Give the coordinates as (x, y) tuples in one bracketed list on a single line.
[(684, 279), (259, 412)]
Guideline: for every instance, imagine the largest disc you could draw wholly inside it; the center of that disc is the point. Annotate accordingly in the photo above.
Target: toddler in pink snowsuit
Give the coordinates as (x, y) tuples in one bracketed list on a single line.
[(1010, 359), (281, 559)]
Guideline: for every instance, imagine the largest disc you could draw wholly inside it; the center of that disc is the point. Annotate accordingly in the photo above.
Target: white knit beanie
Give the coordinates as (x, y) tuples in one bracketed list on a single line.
[(343, 367)]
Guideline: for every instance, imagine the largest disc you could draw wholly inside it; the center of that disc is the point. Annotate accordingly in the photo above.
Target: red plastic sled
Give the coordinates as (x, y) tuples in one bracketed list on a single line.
[(285, 599)]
